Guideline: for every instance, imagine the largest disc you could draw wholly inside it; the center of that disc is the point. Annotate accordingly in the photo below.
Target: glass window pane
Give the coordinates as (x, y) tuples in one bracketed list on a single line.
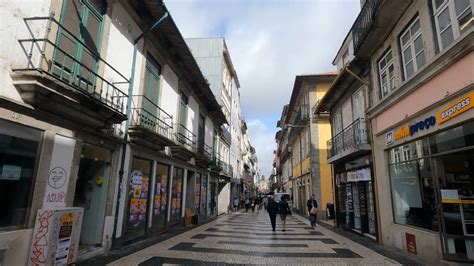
[(455, 138), (444, 19), (17, 164), (415, 27), (389, 56), (438, 3), (418, 44), (382, 64), (464, 21), (405, 37), (420, 60), (160, 199), (447, 37), (413, 195), (409, 69), (407, 56), (390, 71), (461, 5)]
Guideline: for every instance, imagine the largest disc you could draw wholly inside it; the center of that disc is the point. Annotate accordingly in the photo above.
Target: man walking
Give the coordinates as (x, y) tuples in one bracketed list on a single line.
[(312, 205), (257, 203), (247, 204), (272, 209), (236, 204), (284, 209)]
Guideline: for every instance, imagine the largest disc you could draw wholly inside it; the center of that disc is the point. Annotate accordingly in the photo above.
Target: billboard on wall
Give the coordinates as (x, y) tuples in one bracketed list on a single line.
[(56, 237)]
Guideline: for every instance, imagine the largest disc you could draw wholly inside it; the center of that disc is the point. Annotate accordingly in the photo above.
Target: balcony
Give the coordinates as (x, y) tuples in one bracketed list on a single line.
[(81, 88), (374, 23), (204, 153), (351, 141), (185, 143), (216, 164), (150, 125), (227, 169)]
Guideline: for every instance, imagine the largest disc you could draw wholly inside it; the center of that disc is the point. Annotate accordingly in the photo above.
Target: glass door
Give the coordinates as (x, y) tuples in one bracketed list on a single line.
[(160, 199), (455, 173)]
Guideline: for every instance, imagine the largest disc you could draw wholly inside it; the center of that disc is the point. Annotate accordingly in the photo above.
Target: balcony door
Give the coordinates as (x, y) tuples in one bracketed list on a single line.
[(77, 49), (183, 118), (151, 92), (201, 130)]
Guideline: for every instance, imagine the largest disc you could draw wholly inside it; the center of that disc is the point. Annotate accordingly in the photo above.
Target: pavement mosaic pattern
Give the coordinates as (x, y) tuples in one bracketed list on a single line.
[(247, 238)]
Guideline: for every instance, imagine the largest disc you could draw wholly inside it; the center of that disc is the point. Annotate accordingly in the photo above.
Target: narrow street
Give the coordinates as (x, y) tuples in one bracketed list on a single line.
[(247, 238)]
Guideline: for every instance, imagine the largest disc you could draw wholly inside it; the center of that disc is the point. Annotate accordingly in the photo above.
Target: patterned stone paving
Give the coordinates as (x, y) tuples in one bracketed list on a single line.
[(246, 238)]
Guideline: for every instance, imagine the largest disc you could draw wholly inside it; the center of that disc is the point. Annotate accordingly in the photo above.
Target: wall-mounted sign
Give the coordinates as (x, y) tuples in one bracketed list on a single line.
[(411, 243), (410, 130), (456, 108)]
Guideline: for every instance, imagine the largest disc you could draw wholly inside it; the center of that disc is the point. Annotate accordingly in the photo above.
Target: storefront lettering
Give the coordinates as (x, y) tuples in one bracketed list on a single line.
[(459, 106), (410, 130)]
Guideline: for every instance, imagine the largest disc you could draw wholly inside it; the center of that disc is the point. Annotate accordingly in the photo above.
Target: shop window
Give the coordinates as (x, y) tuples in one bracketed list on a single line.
[(18, 155), (160, 199), (137, 213), (413, 50), (176, 195), (386, 74), (453, 18), (413, 194), (458, 137)]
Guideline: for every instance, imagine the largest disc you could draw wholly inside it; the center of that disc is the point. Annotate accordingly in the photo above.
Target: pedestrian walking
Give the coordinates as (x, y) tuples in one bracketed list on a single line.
[(236, 204), (252, 201), (247, 204), (265, 202), (312, 205), (284, 210), (257, 203), (272, 209)]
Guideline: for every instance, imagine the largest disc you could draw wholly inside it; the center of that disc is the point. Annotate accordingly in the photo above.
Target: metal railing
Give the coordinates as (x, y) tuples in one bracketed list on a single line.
[(364, 22), (185, 137), (147, 114), (226, 135), (46, 56), (216, 161), (204, 151), (350, 137)]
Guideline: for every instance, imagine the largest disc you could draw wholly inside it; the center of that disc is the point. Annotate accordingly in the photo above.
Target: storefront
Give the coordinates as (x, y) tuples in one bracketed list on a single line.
[(176, 195), (355, 197), (430, 168), (303, 188)]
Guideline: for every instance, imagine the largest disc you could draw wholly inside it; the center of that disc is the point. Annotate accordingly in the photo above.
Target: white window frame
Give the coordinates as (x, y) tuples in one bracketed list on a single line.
[(455, 27), (410, 44), (385, 70)]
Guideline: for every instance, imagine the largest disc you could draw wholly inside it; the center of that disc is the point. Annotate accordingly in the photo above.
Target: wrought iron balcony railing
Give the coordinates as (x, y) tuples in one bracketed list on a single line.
[(350, 137), (185, 137), (364, 22), (147, 114), (204, 151), (87, 73)]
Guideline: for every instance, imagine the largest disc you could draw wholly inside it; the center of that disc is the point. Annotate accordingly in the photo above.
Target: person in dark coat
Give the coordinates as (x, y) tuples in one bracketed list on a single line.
[(272, 209), (284, 209), (310, 204)]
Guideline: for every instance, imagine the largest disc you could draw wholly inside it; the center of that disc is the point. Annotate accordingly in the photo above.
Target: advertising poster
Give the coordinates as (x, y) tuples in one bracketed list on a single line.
[(164, 199), (142, 210), (157, 205), (134, 209)]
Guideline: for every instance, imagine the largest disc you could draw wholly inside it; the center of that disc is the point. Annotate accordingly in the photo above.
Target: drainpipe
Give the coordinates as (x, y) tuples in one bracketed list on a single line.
[(127, 122)]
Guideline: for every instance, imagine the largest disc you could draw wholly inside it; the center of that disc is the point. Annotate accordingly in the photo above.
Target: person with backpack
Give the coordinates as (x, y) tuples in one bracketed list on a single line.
[(312, 205)]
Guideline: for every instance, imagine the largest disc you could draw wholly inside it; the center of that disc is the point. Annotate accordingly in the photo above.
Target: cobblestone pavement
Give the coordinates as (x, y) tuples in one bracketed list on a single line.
[(247, 238)]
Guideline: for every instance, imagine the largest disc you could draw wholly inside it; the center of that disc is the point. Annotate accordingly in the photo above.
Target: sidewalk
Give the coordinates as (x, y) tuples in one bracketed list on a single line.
[(115, 254)]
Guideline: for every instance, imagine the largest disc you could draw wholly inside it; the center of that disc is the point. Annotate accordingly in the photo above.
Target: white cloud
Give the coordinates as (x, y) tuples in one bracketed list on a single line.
[(270, 42)]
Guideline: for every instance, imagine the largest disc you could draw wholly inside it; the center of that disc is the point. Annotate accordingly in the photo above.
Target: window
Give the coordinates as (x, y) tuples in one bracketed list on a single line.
[(413, 51), (386, 74), (452, 18), (358, 105), (337, 122), (345, 57), (18, 155)]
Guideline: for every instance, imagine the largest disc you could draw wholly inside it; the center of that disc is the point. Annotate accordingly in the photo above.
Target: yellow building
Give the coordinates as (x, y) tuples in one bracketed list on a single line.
[(304, 142)]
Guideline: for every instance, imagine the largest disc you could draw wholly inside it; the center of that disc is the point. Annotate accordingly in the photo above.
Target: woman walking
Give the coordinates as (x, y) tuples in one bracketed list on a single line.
[(272, 209), (284, 209)]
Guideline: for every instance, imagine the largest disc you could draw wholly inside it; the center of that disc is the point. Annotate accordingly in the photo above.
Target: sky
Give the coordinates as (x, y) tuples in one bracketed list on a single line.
[(270, 42)]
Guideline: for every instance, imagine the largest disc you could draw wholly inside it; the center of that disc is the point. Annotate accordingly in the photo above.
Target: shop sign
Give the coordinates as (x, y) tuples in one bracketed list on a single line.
[(359, 175), (456, 108), (410, 130), (411, 243)]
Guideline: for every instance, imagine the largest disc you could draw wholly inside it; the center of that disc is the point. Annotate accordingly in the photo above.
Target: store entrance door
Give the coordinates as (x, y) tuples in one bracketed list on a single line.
[(455, 173)]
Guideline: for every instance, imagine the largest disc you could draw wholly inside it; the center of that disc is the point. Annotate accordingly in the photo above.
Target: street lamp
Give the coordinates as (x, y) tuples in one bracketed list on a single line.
[(127, 122)]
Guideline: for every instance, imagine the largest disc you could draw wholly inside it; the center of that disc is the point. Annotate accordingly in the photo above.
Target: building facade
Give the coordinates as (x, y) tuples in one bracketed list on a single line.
[(97, 116), (302, 145), (414, 62), (349, 149)]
